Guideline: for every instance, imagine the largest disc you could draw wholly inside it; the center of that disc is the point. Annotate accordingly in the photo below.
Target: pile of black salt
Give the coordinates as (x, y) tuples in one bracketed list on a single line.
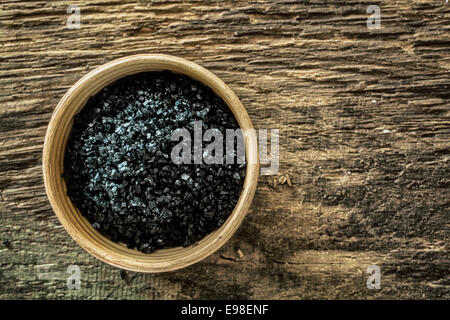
[(118, 167)]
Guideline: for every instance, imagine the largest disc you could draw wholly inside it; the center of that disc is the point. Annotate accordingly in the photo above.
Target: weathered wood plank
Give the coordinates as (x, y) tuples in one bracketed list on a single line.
[(364, 123)]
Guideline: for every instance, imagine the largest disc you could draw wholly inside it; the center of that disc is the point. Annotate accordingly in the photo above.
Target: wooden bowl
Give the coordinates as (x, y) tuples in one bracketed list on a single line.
[(79, 227)]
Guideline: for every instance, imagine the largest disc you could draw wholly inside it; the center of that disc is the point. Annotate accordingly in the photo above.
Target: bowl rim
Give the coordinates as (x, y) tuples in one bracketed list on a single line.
[(91, 240)]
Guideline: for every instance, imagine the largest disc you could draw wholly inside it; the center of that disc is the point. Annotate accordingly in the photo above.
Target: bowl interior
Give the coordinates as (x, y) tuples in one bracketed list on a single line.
[(79, 227)]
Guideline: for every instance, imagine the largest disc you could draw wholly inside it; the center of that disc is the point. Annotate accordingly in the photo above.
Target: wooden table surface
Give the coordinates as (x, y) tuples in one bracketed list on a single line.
[(364, 124)]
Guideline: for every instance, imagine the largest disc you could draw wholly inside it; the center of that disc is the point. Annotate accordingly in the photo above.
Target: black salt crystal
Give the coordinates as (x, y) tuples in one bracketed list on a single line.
[(119, 172)]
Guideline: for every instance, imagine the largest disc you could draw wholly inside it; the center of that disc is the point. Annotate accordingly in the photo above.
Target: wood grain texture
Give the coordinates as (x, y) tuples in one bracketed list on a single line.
[(364, 123)]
